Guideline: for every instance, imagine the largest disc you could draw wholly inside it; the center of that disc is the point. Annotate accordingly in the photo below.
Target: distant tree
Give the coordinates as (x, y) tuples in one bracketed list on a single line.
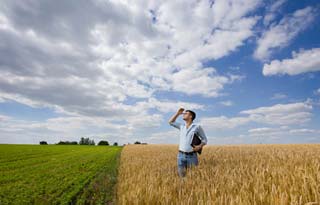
[(86, 141), (81, 142), (103, 142), (67, 143), (137, 142), (115, 144), (43, 143)]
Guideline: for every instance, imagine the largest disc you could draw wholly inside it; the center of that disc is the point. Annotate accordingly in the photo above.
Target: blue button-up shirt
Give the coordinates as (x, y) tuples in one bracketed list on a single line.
[(187, 134)]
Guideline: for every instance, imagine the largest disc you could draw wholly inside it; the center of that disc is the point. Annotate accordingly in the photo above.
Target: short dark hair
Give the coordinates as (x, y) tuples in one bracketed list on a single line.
[(192, 113)]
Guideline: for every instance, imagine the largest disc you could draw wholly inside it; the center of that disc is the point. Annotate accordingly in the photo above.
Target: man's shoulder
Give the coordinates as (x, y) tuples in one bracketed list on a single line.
[(197, 125)]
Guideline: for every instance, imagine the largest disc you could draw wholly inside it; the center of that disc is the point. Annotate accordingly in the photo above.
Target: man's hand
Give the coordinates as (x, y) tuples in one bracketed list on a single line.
[(174, 117), (197, 147), (180, 111)]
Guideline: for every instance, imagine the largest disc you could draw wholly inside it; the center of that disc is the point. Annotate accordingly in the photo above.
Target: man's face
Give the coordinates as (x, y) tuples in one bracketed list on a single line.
[(187, 116)]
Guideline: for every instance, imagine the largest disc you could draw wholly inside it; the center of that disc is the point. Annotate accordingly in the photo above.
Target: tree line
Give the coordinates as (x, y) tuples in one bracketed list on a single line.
[(88, 141), (83, 141)]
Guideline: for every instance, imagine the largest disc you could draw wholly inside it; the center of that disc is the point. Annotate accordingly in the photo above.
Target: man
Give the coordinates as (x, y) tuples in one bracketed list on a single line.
[(187, 155)]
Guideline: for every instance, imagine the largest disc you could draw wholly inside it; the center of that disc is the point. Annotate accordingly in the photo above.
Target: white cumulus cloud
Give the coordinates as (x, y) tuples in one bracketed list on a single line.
[(301, 62), (280, 35), (278, 114)]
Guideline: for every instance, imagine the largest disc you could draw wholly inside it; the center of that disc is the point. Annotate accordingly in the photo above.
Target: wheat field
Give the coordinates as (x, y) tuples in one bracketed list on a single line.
[(227, 174)]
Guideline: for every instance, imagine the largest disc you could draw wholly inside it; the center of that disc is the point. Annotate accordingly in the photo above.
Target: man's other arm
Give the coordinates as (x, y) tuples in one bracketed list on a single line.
[(203, 136)]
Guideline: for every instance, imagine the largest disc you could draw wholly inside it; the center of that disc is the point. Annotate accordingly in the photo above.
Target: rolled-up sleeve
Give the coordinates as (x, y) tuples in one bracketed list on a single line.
[(202, 135), (175, 124)]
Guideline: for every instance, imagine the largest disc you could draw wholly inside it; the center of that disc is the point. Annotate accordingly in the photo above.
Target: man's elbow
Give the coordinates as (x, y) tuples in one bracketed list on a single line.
[(204, 142)]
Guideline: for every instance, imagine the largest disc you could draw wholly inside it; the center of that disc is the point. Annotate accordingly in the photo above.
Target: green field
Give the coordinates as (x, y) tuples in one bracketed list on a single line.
[(58, 174)]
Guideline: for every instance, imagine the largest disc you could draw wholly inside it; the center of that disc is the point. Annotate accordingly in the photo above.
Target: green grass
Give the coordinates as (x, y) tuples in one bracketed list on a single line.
[(58, 174)]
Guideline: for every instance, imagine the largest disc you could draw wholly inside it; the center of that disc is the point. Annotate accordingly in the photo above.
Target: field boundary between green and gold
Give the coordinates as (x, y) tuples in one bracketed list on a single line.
[(103, 174)]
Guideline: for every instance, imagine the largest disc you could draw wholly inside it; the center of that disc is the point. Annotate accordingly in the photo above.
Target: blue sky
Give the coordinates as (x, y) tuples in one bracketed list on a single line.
[(117, 70)]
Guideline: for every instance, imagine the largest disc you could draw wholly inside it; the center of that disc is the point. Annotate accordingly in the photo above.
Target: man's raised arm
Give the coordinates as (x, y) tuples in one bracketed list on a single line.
[(172, 120)]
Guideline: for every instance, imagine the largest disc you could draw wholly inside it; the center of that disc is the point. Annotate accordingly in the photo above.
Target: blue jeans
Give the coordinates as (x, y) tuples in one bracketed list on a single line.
[(184, 161)]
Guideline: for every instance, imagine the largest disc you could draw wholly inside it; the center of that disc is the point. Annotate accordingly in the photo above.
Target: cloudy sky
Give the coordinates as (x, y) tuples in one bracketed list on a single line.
[(118, 70)]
